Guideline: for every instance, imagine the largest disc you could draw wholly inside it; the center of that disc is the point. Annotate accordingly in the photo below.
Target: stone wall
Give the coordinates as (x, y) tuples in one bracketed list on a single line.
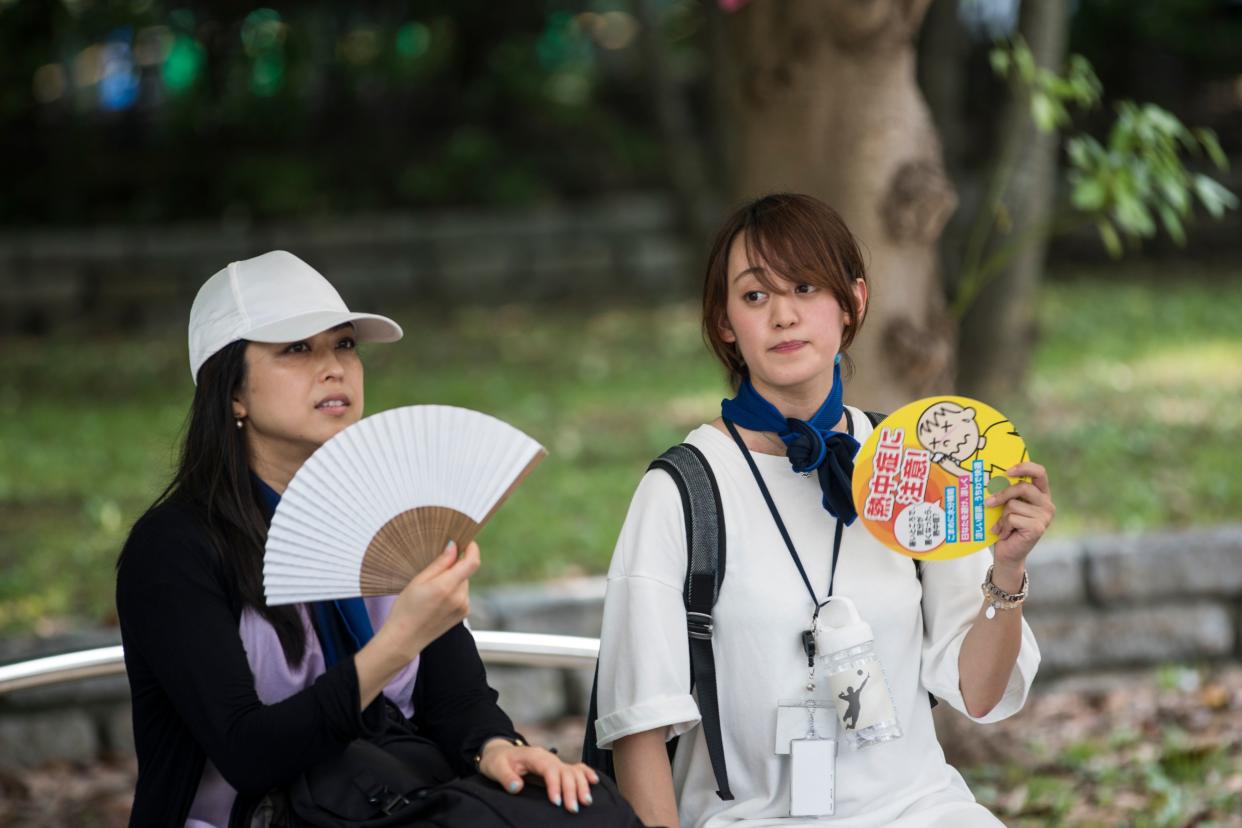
[(113, 277), (623, 245), (1097, 603)]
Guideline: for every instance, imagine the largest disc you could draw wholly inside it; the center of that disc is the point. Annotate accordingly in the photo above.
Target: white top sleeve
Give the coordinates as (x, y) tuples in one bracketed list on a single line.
[(644, 664), (951, 602)]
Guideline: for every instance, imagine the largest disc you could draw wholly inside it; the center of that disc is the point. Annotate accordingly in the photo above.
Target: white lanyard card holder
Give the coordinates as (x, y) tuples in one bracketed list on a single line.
[(812, 778), (812, 753)]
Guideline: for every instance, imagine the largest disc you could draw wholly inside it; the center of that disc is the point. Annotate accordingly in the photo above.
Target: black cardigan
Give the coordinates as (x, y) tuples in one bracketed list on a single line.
[(193, 692)]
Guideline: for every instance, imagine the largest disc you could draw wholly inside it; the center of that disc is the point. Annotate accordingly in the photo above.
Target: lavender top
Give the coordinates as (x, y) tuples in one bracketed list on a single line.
[(275, 680)]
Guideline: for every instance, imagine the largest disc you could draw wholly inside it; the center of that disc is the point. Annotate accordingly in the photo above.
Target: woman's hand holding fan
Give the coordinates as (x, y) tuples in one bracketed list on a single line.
[(437, 600)]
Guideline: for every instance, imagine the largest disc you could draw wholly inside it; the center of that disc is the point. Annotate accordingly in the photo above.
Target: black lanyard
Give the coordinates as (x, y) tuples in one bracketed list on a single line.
[(780, 524)]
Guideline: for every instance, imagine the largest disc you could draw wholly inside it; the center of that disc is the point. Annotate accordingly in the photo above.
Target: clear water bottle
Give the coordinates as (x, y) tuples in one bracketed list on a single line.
[(855, 677)]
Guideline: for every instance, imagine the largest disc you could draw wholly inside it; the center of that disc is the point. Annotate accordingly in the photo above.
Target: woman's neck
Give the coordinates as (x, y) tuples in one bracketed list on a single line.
[(275, 471)]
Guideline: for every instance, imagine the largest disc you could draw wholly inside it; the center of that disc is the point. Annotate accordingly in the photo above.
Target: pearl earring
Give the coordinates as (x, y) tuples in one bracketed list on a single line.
[(240, 422)]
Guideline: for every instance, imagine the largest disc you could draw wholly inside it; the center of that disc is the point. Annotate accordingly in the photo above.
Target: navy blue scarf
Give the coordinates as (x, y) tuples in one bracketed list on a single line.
[(329, 616), (812, 444)]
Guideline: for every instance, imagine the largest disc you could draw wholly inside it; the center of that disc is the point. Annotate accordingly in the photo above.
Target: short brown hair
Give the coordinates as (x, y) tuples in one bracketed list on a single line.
[(801, 238)]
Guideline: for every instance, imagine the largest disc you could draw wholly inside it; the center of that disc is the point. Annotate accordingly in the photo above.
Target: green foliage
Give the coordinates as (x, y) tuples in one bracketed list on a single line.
[(1049, 93), (1140, 172), (88, 432), (1122, 186)]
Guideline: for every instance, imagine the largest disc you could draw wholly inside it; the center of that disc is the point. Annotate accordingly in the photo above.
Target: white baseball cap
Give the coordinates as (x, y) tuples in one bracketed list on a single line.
[(275, 297)]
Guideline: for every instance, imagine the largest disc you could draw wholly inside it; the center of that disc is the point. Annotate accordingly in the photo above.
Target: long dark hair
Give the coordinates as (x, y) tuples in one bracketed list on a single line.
[(213, 477)]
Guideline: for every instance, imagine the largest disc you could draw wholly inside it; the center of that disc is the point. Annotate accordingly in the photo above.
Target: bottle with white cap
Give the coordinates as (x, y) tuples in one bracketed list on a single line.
[(855, 676)]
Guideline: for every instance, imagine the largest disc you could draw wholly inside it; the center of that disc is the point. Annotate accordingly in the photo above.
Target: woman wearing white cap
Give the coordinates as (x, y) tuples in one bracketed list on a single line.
[(231, 696)]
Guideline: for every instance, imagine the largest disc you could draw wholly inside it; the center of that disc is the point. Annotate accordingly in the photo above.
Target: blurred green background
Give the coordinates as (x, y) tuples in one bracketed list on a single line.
[(1133, 408), (145, 120), (142, 115)]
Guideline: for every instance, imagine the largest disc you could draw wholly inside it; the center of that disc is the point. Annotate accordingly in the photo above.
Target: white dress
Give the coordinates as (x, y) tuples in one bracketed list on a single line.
[(644, 670)]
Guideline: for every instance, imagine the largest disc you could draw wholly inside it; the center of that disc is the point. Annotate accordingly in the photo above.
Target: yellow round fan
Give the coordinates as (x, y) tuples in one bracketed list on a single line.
[(380, 500), (922, 478)]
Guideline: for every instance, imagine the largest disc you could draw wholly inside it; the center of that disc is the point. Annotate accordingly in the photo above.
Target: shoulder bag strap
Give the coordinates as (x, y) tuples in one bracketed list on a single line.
[(705, 568)]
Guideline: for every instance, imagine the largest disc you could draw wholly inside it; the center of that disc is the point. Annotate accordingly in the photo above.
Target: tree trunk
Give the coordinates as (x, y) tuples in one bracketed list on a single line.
[(944, 49), (686, 160), (944, 54), (998, 329), (825, 102)]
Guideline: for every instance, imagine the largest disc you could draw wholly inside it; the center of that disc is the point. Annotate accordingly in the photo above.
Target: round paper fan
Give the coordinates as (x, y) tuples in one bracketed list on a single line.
[(921, 479), (380, 500)]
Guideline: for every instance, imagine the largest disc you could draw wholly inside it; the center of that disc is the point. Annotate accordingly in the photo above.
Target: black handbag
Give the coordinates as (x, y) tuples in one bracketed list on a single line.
[(365, 785), (373, 779), (396, 777)]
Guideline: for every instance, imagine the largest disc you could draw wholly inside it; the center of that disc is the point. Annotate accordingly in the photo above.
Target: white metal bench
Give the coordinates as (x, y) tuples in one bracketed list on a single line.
[(509, 648)]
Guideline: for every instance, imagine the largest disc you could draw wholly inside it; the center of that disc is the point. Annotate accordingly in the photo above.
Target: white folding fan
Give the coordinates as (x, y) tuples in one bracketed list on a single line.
[(380, 500)]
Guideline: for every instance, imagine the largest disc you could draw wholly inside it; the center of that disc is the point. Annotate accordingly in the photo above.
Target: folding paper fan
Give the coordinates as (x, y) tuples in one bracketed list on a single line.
[(380, 500)]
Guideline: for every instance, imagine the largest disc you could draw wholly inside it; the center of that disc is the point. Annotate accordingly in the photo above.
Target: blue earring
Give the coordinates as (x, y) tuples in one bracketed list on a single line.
[(837, 360)]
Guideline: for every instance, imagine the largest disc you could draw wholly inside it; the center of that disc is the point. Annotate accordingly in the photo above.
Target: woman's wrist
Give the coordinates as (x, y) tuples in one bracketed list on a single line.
[(493, 744), (1009, 576), (394, 648)]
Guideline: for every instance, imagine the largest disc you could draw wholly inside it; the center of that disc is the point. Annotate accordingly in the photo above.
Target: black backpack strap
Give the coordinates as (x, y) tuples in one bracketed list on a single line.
[(592, 754), (705, 568)]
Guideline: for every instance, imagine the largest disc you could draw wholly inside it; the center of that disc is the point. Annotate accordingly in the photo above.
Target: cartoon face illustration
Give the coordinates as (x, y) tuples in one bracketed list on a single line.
[(950, 432)]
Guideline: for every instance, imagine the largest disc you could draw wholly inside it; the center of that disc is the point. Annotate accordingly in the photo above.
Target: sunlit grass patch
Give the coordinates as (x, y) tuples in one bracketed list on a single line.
[(1135, 401)]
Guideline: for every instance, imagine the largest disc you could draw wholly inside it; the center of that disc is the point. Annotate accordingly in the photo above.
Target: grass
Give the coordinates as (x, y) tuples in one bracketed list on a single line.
[(1133, 404)]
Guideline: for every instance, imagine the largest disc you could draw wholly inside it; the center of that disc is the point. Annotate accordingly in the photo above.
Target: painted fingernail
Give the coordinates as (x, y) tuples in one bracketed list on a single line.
[(450, 547), (556, 801), (572, 806), (514, 786), (587, 799)]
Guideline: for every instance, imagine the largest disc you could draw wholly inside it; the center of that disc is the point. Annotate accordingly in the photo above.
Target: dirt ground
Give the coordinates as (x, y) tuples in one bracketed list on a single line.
[(1159, 748)]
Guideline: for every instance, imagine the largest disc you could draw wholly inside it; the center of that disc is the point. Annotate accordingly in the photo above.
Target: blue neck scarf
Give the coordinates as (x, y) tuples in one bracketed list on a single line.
[(329, 616), (812, 444)]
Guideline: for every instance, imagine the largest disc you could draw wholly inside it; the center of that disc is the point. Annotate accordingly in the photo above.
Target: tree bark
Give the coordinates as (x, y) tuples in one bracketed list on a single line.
[(824, 101), (998, 330)]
